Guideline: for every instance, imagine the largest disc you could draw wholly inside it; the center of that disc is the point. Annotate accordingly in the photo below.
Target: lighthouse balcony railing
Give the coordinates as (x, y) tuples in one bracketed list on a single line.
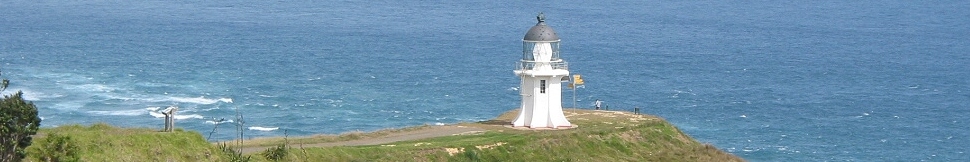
[(532, 65)]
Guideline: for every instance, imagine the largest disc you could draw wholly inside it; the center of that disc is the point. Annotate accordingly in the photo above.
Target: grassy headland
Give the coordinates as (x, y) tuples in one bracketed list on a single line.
[(102, 142), (601, 136)]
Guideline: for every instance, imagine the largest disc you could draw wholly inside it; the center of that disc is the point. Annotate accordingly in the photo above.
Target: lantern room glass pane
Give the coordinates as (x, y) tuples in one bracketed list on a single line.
[(527, 51), (529, 47), (555, 51)]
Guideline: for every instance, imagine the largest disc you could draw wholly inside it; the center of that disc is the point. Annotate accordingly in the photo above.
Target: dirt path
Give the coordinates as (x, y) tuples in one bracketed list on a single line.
[(436, 131)]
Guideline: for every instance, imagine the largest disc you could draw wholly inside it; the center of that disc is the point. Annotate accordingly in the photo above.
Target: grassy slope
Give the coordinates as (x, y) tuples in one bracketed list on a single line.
[(102, 142), (601, 136)]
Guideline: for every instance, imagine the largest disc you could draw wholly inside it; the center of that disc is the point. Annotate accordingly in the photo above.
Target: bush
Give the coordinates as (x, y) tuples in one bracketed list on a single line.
[(234, 156), (18, 122), (57, 148), (275, 153)]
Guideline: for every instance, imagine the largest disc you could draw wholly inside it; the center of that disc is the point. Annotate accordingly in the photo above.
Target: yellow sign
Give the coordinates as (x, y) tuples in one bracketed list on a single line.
[(577, 79)]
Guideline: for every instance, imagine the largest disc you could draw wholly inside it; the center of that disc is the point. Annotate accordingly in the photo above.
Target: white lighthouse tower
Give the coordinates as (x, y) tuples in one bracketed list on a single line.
[(541, 71)]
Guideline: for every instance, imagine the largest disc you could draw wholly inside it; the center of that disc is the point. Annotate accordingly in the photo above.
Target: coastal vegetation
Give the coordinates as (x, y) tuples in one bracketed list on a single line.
[(18, 123), (103, 142), (600, 136)]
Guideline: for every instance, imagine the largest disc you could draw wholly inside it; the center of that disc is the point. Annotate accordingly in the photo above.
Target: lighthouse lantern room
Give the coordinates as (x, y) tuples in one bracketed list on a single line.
[(540, 71)]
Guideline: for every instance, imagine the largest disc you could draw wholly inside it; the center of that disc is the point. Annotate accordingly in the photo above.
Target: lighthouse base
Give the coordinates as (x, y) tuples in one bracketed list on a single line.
[(543, 128), (540, 117)]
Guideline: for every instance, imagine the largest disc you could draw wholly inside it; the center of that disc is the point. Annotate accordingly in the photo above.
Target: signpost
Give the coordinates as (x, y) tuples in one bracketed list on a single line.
[(577, 81)]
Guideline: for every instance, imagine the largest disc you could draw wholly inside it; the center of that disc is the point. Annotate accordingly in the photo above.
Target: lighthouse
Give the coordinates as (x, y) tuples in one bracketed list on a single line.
[(541, 71)]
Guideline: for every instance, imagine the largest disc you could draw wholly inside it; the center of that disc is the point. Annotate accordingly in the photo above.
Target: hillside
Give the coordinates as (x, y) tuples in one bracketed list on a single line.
[(601, 136)]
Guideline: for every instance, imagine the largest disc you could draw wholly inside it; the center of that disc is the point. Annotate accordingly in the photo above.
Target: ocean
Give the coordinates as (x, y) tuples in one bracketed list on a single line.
[(765, 80)]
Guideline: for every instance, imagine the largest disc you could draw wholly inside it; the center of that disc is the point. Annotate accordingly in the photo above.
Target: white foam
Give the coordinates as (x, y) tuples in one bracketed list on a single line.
[(156, 114), (264, 128), (70, 105), (30, 95), (189, 116), (177, 116), (135, 112), (226, 100), (94, 88), (214, 122), (200, 100), (197, 100)]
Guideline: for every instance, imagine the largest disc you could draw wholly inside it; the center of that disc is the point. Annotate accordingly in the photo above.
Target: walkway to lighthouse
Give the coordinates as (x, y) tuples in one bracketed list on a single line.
[(498, 124), (431, 132)]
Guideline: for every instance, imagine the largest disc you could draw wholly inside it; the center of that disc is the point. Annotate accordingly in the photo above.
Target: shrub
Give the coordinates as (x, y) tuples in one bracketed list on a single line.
[(275, 153), (57, 148), (18, 122), (234, 156)]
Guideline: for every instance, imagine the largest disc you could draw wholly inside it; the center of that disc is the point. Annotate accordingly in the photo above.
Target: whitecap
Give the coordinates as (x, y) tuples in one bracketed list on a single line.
[(31, 95), (135, 112), (220, 122), (189, 116), (200, 100), (197, 100), (156, 114), (177, 116), (264, 128), (94, 87), (153, 108), (226, 100)]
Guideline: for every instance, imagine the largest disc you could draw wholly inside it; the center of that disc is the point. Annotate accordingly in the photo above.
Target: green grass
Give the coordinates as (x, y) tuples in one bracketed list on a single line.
[(102, 142), (273, 141), (601, 136)]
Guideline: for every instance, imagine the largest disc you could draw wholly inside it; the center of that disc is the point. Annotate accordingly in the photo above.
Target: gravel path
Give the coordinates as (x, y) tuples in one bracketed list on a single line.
[(436, 131)]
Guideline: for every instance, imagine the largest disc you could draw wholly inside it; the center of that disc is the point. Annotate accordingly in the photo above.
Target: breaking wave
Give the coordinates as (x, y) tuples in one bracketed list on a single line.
[(215, 122), (200, 100), (177, 116), (264, 128), (135, 112)]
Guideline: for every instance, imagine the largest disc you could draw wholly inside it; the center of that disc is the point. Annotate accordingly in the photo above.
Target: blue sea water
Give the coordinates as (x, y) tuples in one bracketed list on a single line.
[(765, 80)]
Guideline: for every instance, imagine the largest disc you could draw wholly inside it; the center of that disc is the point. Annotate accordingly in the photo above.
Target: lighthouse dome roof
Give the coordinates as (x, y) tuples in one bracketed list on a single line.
[(541, 32)]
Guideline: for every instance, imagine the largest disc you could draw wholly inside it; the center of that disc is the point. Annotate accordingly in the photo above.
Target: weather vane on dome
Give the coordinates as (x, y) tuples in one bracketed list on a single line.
[(542, 18)]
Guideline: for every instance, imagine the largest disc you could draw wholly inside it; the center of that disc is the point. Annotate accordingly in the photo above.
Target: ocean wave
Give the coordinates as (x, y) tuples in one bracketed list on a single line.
[(219, 122), (264, 128), (135, 112), (30, 95), (177, 116), (156, 114), (189, 116), (200, 100), (93, 88)]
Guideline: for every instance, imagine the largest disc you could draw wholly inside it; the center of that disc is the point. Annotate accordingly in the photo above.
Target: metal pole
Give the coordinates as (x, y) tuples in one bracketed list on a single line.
[(574, 95)]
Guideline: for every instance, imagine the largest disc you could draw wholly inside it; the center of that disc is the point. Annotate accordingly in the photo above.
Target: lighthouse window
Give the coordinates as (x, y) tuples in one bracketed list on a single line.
[(542, 86)]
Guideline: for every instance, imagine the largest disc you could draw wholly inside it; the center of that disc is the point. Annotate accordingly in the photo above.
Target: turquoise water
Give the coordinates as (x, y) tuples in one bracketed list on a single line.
[(768, 81)]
